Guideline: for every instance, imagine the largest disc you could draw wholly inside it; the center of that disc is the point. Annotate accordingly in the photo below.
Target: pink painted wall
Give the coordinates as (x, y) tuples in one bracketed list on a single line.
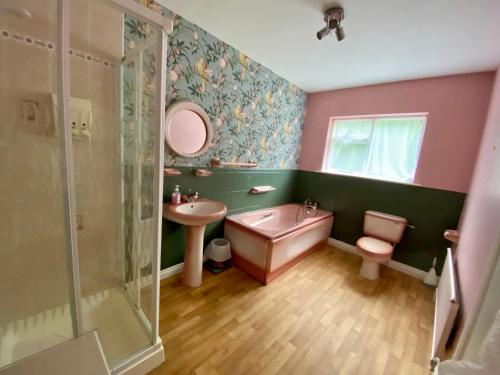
[(457, 107), (480, 222)]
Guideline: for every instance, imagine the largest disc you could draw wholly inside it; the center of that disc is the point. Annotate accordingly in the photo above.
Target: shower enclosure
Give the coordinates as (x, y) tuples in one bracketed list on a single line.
[(81, 107)]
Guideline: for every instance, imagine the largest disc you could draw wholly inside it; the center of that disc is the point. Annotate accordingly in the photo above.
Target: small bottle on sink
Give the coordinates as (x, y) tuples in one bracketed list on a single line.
[(176, 195)]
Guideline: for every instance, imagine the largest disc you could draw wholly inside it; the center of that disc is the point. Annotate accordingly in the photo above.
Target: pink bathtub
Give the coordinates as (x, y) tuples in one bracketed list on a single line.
[(266, 243)]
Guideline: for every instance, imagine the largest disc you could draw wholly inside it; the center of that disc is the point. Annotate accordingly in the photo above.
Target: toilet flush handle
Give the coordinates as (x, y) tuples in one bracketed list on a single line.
[(410, 226)]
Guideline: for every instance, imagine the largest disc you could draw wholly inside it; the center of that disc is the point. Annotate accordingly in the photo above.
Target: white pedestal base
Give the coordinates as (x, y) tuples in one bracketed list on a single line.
[(193, 256), (370, 269)]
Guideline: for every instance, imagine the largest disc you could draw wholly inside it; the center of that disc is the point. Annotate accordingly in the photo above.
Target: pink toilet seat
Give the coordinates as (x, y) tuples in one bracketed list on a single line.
[(375, 249)]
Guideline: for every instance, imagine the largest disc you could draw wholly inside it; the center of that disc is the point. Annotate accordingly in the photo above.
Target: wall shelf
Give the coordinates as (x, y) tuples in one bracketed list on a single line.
[(217, 163), (262, 189), (169, 172), (203, 173)]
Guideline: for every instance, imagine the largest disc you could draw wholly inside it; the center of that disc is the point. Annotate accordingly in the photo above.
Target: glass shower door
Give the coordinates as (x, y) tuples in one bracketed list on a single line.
[(138, 169), (35, 291), (80, 190), (113, 105)]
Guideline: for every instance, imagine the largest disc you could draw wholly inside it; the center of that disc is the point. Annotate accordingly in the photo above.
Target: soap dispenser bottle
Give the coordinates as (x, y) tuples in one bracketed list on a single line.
[(176, 195)]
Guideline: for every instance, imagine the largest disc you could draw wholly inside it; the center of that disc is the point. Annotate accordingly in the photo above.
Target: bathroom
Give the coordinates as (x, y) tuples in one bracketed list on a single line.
[(291, 156)]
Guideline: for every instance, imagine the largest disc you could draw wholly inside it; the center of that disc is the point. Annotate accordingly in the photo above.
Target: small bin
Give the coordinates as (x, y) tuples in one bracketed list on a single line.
[(219, 250), (218, 254)]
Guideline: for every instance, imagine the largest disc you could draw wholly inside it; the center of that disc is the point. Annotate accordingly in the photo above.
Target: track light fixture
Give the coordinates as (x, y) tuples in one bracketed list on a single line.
[(333, 18)]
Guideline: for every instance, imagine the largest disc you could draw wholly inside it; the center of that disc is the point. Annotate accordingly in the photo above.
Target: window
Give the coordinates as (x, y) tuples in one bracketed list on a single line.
[(384, 147)]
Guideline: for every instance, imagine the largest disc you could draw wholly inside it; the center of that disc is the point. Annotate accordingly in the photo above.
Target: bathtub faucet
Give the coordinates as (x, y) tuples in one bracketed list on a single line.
[(309, 204)]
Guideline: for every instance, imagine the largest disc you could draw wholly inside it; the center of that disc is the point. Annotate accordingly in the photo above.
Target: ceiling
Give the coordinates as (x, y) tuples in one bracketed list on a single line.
[(386, 40)]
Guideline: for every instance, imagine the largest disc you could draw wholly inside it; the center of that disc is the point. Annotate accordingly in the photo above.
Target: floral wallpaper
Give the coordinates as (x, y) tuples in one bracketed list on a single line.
[(257, 116)]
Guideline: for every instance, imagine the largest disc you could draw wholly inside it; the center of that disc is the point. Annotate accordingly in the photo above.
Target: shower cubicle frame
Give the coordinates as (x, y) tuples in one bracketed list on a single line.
[(163, 26)]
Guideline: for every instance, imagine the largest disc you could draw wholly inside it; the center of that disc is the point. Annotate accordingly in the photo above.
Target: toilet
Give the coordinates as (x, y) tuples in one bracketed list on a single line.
[(382, 232)]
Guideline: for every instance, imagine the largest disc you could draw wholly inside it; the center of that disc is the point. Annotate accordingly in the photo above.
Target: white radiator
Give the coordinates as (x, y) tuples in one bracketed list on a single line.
[(446, 309)]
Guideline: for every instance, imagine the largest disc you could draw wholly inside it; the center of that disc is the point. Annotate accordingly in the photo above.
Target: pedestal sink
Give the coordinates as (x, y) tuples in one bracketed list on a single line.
[(195, 215)]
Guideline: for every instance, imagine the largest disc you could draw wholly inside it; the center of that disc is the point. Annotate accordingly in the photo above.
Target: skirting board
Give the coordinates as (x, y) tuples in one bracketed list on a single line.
[(171, 271), (403, 268)]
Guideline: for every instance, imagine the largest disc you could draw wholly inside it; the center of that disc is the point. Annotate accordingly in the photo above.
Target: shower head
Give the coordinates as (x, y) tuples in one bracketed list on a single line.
[(18, 12), (333, 18)]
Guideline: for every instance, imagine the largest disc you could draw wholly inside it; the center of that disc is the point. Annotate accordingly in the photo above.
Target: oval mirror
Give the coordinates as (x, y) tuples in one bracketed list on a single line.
[(188, 130)]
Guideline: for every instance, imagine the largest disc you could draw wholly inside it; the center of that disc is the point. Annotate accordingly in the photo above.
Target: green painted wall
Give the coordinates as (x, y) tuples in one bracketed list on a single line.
[(230, 186), (431, 211)]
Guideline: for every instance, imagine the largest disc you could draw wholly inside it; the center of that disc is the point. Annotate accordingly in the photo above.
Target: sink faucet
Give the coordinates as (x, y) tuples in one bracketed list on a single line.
[(193, 197)]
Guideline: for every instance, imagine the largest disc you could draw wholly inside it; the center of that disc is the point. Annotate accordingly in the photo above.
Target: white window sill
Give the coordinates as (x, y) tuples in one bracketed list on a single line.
[(369, 177)]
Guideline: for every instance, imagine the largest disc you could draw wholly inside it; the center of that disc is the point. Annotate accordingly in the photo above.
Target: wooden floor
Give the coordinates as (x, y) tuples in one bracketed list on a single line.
[(317, 318)]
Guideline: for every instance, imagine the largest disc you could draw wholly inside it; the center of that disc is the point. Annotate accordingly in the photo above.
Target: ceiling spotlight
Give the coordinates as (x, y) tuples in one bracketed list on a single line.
[(339, 33), (333, 18)]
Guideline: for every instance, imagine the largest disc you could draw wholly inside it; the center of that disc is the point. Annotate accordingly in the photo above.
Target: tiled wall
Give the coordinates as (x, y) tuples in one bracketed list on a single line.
[(94, 28), (33, 264)]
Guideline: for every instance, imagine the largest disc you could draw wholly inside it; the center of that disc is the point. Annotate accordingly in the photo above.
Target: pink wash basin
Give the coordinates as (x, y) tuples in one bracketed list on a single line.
[(194, 215), (200, 212)]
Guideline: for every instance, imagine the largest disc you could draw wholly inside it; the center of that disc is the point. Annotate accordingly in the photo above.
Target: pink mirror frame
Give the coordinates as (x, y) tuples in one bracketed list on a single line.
[(187, 106)]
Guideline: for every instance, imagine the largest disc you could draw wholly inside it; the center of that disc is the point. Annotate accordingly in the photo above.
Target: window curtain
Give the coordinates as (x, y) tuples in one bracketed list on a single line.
[(394, 148), (350, 145)]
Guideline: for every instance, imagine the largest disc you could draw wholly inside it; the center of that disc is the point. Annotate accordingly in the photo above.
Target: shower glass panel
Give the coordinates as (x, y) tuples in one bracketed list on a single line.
[(112, 114), (35, 294), (80, 182), (137, 131)]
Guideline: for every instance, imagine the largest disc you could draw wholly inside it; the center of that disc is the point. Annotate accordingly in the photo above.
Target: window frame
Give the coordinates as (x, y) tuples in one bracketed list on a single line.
[(373, 118)]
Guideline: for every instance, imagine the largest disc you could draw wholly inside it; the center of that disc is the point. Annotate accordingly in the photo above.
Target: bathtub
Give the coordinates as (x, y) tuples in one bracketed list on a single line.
[(265, 243)]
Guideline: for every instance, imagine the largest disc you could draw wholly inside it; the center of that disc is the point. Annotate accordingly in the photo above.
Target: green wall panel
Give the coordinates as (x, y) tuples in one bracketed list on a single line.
[(230, 186), (431, 211)]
